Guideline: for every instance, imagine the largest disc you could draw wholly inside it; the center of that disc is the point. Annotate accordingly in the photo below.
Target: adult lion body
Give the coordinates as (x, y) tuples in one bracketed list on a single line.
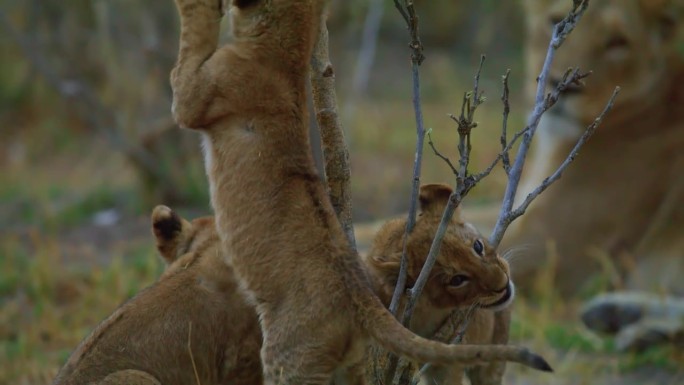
[(624, 194), (315, 305)]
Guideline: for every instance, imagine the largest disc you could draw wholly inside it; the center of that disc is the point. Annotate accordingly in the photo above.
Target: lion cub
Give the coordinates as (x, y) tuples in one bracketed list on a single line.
[(316, 307), (458, 279), (191, 326), (458, 258), (198, 287)]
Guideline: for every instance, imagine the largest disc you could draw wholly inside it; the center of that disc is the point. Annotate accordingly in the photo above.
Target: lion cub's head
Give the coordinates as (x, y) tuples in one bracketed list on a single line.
[(467, 270), (635, 44), (178, 239)]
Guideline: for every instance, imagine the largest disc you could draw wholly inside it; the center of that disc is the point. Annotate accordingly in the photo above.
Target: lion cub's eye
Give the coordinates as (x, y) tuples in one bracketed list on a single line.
[(458, 280), (478, 246)]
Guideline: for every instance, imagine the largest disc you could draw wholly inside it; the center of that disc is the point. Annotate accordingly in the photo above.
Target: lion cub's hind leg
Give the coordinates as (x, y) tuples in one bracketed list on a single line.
[(129, 377)]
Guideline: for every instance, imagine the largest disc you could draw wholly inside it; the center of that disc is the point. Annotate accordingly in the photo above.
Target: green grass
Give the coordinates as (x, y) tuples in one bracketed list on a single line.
[(46, 308)]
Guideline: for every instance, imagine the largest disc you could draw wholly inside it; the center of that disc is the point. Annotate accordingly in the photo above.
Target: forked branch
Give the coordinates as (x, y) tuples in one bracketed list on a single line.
[(542, 103), (466, 181)]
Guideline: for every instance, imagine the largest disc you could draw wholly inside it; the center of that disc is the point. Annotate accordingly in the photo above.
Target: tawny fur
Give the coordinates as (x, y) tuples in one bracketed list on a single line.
[(195, 265), (194, 307), (624, 194), (316, 307), (487, 274)]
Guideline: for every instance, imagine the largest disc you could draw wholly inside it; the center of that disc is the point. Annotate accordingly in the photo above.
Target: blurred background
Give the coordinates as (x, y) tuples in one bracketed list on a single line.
[(88, 148)]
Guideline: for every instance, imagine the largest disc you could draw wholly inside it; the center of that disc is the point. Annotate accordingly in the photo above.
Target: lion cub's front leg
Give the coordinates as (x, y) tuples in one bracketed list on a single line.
[(192, 78)]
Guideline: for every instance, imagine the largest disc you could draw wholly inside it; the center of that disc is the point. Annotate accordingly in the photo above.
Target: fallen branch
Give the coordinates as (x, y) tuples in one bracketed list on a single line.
[(335, 153)]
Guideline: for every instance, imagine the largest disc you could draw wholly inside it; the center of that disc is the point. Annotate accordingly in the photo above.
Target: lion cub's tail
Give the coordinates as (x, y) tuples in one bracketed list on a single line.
[(391, 335)]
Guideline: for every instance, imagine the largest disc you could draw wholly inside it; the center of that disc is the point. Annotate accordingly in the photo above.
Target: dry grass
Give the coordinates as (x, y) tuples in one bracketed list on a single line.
[(46, 308)]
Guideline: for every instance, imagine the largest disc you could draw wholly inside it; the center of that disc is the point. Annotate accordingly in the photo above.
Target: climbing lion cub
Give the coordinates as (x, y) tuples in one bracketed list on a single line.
[(248, 99)]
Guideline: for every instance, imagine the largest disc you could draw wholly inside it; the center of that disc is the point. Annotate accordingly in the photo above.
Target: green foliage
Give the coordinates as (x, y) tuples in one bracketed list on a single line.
[(663, 357)]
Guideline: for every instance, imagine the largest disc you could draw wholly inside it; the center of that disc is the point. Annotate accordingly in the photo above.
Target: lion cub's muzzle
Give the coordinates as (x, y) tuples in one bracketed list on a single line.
[(507, 295)]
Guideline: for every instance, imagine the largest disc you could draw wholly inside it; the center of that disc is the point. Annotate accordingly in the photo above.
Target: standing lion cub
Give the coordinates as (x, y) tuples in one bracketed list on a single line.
[(316, 308)]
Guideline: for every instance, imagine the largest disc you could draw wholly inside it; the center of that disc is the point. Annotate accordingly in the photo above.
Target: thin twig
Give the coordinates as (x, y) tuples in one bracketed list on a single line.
[(417, 289), (335, 153), (560, 32), (408, 12), (417, 58), (461, 322), (439, 154), (192, 358), (504, 126), (463, 185), (570, 158)]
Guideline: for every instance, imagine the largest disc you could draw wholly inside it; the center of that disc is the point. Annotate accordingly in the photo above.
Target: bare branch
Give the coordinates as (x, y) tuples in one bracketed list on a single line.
[(542, 103), (504, 126), (570, 158), (337, 169), (439, 154), (417, 57), (417, 289), (453, 329), (402, 11), (464, 183), (408, 12)]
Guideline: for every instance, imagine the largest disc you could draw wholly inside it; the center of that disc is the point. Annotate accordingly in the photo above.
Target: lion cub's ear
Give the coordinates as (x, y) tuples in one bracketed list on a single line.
[(172, 233), (387, 267), (434, 198)]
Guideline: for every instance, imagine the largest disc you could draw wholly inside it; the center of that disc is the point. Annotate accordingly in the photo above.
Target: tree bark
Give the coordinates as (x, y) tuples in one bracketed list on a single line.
[(335, 153)]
